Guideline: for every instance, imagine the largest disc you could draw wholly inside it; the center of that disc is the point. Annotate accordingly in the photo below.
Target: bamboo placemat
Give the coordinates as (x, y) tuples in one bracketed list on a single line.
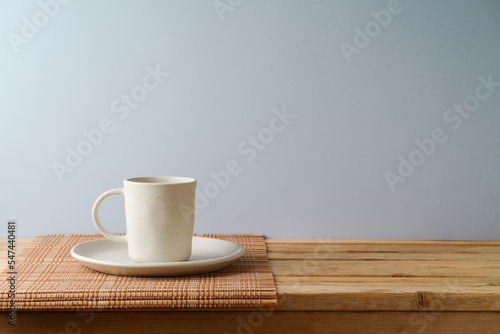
[(49, 278)]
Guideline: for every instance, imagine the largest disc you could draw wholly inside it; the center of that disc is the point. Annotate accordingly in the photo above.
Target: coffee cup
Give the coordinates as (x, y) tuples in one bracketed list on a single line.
[(159, 215)]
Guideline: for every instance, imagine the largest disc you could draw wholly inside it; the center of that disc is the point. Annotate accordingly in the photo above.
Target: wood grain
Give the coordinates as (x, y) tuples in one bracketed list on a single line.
[(411, 247), (255, 322), (341, 286), (386, 268), (389, 275)]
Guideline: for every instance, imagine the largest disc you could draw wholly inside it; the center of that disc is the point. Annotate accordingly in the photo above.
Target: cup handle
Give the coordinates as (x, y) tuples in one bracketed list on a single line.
[(97, 222)]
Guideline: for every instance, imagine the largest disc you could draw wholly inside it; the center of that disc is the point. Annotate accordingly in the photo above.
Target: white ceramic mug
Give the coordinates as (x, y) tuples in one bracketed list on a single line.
[(159, 214)]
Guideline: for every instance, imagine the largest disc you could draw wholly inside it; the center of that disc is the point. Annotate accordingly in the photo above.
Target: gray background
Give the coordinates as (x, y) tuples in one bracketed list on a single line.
[(322, 176)]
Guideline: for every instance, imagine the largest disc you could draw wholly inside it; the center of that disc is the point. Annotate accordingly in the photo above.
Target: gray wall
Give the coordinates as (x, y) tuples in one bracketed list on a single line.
[(338, 119)]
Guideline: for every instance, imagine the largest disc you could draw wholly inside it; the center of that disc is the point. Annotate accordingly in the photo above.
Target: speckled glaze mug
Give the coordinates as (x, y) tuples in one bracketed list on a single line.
[(159, 214)]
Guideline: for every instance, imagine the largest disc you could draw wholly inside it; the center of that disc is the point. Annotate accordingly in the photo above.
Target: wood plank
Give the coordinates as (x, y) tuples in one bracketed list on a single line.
[(370, 256), (308, 289), (386, 268), (446, 283), (370, 275), (293, 300), (362, 298), (382, 242), (386, 293), (379, 248), (254, 322)]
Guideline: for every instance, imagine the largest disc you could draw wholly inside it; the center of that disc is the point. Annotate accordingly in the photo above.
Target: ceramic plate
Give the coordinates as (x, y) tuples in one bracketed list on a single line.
[(112, 258)]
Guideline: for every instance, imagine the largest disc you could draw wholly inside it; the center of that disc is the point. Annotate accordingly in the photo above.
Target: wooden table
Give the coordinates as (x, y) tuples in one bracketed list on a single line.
[(330, 286)]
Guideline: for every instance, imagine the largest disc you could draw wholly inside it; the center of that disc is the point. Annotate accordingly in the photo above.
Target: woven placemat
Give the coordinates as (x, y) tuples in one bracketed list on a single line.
[(49, 278)]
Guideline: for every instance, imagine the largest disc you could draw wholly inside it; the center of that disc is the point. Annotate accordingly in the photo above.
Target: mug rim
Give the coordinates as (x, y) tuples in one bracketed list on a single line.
[(160, 180)]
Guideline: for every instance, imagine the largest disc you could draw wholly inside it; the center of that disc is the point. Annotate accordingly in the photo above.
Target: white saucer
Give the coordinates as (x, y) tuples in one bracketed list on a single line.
[(112, 258)]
